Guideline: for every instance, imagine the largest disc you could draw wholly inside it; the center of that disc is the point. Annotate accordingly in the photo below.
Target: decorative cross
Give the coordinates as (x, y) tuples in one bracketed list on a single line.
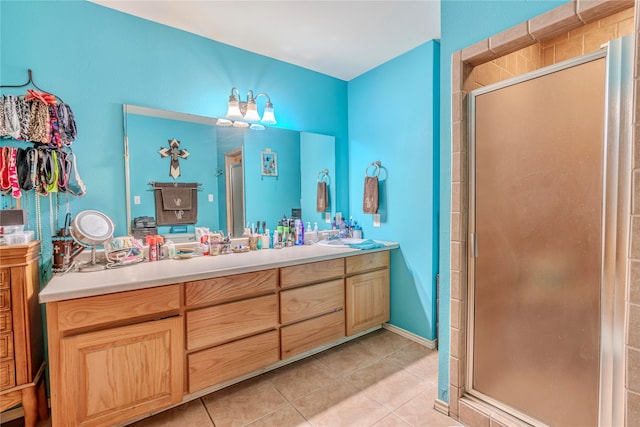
[(176, 153)]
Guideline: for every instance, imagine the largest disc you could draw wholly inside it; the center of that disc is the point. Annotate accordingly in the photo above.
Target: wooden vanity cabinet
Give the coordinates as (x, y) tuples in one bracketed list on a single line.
[(311, 307), (21, 343), (231, 327), (367, 291), (114, 357)]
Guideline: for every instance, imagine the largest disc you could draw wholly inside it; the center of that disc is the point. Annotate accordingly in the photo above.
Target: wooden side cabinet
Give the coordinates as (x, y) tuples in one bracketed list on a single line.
[(21, 341), (367, 291)]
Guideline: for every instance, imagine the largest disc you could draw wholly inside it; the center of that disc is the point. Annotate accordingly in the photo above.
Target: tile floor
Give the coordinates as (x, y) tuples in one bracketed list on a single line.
[(380, 379)]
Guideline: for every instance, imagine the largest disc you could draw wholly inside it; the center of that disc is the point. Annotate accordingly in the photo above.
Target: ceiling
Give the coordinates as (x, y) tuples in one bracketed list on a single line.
[(342, 39)]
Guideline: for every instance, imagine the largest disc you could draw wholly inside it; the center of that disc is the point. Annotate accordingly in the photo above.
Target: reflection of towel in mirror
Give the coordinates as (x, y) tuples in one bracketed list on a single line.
[(370, 202), (176, 203), (322, 197)]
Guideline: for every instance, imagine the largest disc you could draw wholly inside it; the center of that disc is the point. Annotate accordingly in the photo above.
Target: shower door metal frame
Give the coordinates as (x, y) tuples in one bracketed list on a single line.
[(615, 228)]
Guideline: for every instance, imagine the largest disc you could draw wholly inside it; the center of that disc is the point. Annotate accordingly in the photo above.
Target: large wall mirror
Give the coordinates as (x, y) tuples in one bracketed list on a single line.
[(243, 176)]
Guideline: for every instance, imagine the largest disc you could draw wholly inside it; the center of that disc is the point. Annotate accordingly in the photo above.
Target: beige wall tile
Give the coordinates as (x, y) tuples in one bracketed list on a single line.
[(636, 146), (555, 22), (636, 196), (592, 10), (473, 417), (478, 53), (568, 49), (617, 17), (633, 412), (454, 312), (456, 235), (455, 167), (512, 63), (513, 39), (633, 369), (453, 401), (625, 28), (549, 56), (634, 282), (456, 107), (456, 285), (635, 243), (456, 195), (595, 38), (455, 256), (454, 371), (633, 328), (487, 74), (455, 343)]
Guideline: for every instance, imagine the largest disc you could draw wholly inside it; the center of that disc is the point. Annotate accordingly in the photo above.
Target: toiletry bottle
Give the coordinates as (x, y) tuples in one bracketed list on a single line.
[(357, 231), (171, 249)]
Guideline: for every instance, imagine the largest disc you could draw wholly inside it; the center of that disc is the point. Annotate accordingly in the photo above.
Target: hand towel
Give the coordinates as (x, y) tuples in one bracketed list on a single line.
[(367, 244), (176, 203), (176, 198), (370, 202), (322, 197)]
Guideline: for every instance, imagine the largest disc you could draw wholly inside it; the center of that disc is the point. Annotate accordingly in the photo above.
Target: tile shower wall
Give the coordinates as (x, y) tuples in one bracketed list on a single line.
[(573, 43), (564, 35), (633, 296)]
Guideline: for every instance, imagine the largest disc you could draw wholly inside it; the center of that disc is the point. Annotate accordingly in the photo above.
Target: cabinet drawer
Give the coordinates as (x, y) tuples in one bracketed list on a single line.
[(359, 263), (227, 361), (312, 333), (228, 288), (220, 323), (310, 301), (311, 272), (5, 299), (7, 374), (109, 308), (5, 321), (5, 278), (6, 345)]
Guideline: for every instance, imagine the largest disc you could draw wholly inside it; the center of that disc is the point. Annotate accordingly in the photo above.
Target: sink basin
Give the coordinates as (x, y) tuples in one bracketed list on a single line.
[(340, 243)]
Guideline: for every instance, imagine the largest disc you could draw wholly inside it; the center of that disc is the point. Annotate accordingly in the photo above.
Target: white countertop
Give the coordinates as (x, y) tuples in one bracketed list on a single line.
[(158, 273)]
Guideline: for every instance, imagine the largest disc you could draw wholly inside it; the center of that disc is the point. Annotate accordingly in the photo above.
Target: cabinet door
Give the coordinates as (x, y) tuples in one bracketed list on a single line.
[(116, 374), (367, 300)]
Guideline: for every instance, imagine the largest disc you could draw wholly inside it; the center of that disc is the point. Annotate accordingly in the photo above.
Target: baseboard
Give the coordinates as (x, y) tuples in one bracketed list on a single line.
[(413, 337), (441, 406)]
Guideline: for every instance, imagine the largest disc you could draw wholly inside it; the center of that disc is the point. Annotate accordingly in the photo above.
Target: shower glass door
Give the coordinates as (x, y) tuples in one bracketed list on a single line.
[(536, 218)]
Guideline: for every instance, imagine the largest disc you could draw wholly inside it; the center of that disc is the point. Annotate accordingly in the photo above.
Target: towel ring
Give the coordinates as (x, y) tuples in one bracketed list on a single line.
[(323, 174), (376, 171)]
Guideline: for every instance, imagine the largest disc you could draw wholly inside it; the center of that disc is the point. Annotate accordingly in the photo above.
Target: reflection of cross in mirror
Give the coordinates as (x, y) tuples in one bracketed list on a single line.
[(176, 153)]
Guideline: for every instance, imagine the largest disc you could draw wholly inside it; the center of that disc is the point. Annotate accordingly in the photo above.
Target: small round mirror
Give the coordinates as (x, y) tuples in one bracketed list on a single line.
[(91, 229)]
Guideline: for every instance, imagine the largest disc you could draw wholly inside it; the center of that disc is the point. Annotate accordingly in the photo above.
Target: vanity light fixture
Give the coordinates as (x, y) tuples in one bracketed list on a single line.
[(238, 109)]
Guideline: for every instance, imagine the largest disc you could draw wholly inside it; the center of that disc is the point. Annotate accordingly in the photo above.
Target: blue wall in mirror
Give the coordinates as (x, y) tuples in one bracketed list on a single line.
[(146, 136)]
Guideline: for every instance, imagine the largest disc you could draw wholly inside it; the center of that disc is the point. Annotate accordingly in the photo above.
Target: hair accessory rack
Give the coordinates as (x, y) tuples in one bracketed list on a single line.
[(376, 172), (323, 175), (32, 83)]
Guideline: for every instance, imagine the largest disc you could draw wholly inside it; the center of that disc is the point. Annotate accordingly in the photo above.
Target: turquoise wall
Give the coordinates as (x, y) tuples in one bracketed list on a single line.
[(97, 59), (464, 23), (394, 118)]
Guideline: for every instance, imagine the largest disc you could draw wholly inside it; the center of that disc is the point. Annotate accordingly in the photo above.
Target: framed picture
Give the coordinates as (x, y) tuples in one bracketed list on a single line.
[(269, 163)]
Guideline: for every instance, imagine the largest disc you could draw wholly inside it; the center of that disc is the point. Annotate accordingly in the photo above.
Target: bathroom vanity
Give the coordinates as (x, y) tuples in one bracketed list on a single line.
[(127, 343)]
